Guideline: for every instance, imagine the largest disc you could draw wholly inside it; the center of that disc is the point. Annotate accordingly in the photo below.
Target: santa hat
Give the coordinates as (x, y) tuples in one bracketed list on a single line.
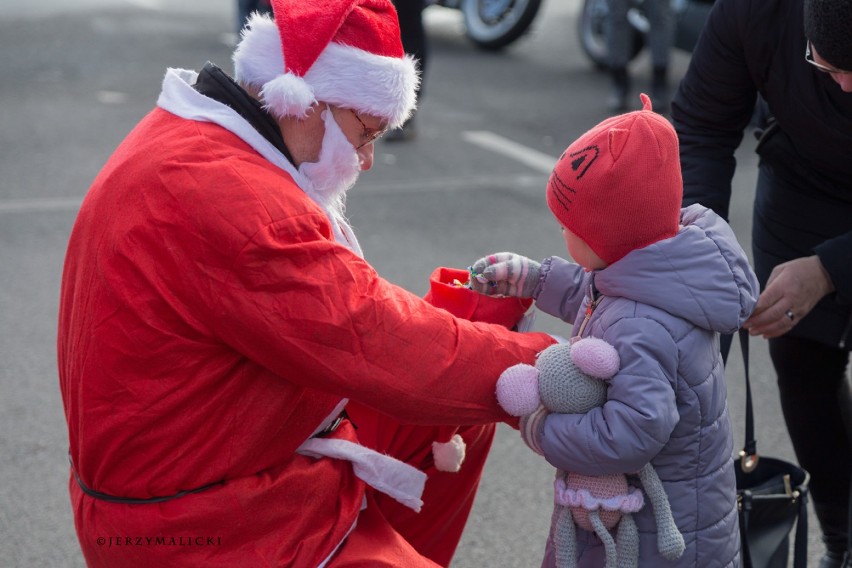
[(618, 187), (344, 52)]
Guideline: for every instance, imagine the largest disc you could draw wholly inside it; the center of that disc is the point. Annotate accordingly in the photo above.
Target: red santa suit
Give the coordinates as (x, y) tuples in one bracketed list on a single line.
[(212, 319)]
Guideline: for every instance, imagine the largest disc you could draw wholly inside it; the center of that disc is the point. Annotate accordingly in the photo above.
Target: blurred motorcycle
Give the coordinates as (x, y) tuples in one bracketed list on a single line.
[(689, 15), (494, 24)]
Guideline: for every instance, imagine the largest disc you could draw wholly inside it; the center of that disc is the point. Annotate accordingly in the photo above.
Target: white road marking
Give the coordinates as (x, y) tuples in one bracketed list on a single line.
[(521, 183), (523, 154), (484, 139), (460, 183), (147, 4), (111, 97), (48, 204)]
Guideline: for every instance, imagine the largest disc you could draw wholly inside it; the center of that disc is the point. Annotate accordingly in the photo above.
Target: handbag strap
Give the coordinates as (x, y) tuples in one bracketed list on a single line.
[(748, 459), (800, 549), (748, 456), (847, 561), (745, 509)]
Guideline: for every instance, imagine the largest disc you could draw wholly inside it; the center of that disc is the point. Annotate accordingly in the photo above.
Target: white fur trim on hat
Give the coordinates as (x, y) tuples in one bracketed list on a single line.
[(342, 75), (372, 84), (287, 95), (258, 57)]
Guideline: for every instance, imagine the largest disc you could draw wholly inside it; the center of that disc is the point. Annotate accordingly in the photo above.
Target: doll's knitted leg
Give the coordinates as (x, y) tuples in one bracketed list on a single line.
[(564, 537), (669, 539), (627, 542), (606, 538)]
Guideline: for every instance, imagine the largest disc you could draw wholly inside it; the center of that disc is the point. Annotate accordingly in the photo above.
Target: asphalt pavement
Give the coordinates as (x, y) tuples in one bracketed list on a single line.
[(76, 78)]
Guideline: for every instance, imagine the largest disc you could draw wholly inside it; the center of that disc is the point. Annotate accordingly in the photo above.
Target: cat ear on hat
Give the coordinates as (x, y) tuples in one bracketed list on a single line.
[(617, 137), (617, 141)]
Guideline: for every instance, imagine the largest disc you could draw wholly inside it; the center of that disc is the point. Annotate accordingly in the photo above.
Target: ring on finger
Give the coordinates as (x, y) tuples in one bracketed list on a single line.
[(790, 314)]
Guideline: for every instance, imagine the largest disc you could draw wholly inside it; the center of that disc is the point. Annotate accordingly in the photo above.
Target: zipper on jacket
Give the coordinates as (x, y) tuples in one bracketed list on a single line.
[(595, 298)]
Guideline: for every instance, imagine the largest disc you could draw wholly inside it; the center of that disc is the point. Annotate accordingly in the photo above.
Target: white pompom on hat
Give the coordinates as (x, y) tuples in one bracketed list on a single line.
[(343, 52)]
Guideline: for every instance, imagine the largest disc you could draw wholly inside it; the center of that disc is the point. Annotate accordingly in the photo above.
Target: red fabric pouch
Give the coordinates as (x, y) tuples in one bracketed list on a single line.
[(468, 304)]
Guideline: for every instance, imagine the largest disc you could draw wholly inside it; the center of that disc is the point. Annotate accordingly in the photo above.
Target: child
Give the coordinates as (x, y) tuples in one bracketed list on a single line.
[(659, 283)]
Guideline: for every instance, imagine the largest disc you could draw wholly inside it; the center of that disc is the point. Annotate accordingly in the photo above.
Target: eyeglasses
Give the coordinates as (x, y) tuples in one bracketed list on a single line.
[(809, 57), (369, 135)]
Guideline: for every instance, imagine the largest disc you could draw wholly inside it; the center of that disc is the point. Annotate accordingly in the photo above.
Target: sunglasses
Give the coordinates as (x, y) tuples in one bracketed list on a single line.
[(809, 57)]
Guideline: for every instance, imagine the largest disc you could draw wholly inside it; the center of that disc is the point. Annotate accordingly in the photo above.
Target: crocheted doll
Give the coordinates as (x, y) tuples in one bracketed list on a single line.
[(570, 378)]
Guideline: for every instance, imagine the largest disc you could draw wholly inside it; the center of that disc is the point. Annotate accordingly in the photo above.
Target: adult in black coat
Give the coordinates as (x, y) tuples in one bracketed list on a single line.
[(415, 43), (245, 8), (797, 56)]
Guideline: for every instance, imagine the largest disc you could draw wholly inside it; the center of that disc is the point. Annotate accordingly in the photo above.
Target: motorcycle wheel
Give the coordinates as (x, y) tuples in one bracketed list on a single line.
[(592, 33), (494, 24)]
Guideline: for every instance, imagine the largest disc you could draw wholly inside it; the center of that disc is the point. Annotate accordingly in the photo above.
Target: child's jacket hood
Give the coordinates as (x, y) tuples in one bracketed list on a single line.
[(701, 274)]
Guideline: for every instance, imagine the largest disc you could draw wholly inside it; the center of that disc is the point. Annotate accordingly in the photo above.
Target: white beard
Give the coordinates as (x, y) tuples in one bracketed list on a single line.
[(336, 171)]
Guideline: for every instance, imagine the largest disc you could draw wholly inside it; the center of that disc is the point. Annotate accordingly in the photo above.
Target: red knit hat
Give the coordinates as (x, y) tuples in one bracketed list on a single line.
[(343, 52), (618, 187)]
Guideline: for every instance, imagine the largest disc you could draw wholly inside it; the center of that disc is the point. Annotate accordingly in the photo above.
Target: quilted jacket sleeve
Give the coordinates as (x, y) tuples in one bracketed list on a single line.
[(562, 288), (639, 415)]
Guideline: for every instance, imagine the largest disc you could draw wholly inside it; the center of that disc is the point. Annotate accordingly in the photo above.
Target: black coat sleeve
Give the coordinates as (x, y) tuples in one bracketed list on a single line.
[(713, 105), (836, 257)]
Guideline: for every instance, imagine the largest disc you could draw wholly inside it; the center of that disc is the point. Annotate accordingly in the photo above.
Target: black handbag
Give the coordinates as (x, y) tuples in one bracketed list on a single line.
[(772, 497)]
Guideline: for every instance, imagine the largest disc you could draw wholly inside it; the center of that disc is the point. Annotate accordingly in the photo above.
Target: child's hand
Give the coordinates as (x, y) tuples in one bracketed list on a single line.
[(506, 274)]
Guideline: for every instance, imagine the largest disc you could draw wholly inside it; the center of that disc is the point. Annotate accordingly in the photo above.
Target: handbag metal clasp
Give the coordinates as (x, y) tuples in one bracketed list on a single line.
[(748, 461), (788, 488)]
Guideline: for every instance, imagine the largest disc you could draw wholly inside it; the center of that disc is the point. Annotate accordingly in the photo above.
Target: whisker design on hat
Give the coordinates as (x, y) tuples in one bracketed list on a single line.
[(559, 189)]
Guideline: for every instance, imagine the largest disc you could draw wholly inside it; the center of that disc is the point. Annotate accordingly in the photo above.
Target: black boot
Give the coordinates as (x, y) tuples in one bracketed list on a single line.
[(833, 521), (620, 85), (660, 89), (832, 559)]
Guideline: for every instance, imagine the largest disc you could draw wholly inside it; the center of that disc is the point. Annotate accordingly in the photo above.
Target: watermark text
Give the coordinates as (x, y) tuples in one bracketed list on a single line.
[(173, 541)]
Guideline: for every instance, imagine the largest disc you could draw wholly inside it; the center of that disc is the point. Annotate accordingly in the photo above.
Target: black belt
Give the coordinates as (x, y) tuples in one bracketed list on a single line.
[(133, 500), (136, 501), (334, 424)]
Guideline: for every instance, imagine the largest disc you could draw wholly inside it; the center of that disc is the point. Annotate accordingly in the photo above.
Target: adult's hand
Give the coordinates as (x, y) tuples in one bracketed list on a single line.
[(792, 291), (506, 274)]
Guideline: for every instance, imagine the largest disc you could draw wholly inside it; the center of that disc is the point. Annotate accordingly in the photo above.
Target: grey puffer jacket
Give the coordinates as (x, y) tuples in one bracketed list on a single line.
[(663, 308)]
